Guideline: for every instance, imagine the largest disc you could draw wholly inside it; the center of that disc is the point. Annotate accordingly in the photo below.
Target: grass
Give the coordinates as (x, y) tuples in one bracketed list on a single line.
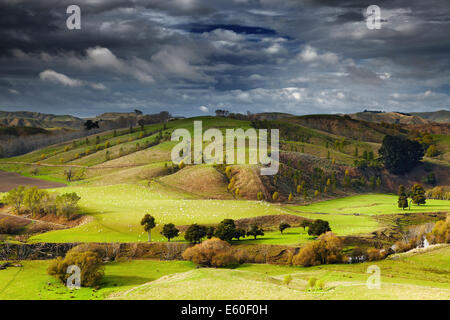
[(118, 209), (371, 204), (31, 282), (408, 278)]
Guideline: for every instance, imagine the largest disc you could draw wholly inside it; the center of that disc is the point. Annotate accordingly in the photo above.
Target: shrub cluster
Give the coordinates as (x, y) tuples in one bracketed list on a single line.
[(90, 264), (40, 202), (211, 253), (325, 250)]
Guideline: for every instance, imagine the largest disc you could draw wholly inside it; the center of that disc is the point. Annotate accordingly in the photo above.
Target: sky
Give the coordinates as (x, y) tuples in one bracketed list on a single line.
[(191, 57)]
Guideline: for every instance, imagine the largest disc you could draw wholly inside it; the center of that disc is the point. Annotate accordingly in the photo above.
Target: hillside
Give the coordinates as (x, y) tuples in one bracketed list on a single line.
[(436, 116), (389, 117), (37, 119)]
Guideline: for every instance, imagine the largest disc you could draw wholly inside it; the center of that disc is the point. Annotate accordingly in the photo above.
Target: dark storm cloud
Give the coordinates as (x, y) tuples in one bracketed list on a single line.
[(309, 56)]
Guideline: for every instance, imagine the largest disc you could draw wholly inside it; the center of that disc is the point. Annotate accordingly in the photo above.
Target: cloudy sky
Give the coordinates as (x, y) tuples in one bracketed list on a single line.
[(191, 57)]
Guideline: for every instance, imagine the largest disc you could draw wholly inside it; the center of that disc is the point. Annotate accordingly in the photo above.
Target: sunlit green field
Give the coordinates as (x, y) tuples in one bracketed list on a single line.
[(420, 276), (371, 204), (117, 211)]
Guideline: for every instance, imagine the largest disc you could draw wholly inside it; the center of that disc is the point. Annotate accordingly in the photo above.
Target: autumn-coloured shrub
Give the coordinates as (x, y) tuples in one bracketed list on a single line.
[(374, 254), (326, 249), (90, 264), (211, 253), (440, 232)]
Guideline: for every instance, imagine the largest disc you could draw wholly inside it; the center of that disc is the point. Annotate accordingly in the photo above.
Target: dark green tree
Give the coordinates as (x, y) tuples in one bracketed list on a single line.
[(255, 231), (283, 226), (318, 227), (418, 194), (148, 222), (400, 155), (226, 230), (402, 198), (195, 233), (170, 231)]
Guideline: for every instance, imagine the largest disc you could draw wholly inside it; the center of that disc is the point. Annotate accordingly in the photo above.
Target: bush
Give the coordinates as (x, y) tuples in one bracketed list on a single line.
[(318, 227), (10, 225), (327, 249), (441, 232), (374, 254), (312, 282), (211, 253), (226, 230), (90, 264), (287, 279), (320, 284)]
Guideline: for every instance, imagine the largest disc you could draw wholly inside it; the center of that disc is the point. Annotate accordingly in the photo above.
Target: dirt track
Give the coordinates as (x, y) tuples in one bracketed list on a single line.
[(11, 180)]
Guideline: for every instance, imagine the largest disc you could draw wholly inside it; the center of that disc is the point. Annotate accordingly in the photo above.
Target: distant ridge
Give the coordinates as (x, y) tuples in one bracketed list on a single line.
[(38, 120)]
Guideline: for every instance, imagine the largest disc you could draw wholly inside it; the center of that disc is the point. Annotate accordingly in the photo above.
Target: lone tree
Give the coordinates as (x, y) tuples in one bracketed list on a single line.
[(255, 231), (283, 226), (148, 222), (195, 233), (170, 231), (402, 198), (318, 227), (418, 194), (400, 155), (226, 230)]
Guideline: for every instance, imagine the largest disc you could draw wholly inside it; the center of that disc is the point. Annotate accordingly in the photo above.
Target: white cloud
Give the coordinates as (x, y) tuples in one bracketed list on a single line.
[(103, 58), (310, 54), (13, 91), (59, 78), (203, 109)]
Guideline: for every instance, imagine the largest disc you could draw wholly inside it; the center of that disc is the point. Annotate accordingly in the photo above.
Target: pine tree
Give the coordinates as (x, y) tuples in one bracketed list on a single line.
[(418, 194), (402, 198)]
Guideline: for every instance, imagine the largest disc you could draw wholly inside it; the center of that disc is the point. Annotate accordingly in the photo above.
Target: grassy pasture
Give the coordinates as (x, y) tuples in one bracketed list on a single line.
[(370, 204), (420, 276), (118, 209)]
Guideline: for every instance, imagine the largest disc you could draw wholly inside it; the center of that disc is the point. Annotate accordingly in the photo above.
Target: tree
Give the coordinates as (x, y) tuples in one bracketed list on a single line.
[(299, 189), (418, 194), (33, 199), (255, 231), (400, 155), (148, 222), (67, 204), (402, 198), (283, 226), (378, 182), (290, 197), (318, 227), (89, 124), (170, 231), (432, 151), (275, 196), (15, 198), (260, 196), (226, 230), (195, 233)]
